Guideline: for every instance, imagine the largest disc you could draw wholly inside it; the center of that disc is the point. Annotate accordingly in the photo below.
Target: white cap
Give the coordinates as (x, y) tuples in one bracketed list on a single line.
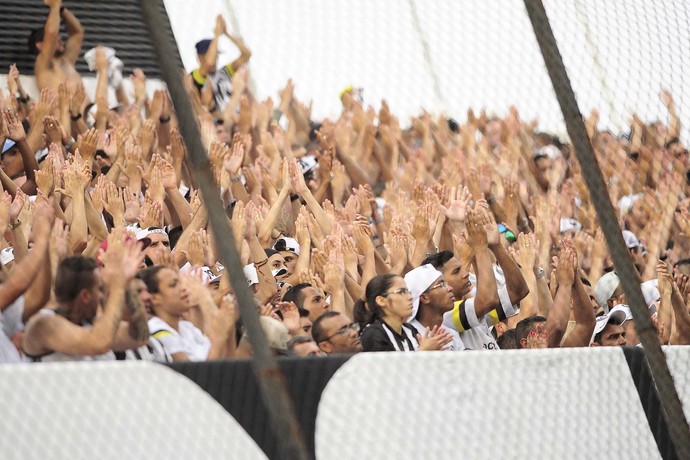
[(307, 163), (6, 255), (570, 225), (626, 202), (251, 275), (550, 151), (650, 291), (631, 240), (418, 281), (605, 288), (616, 315), (146, 232), (285, 243)]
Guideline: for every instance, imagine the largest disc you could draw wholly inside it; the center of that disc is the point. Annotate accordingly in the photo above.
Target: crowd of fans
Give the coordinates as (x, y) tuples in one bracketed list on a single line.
[(354, 234)]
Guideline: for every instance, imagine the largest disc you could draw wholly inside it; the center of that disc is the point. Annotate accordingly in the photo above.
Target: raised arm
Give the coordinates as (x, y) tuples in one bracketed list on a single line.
[(75, 35), (50, 38), (245, 53), (557, 319), (24, 273), (487, 291)]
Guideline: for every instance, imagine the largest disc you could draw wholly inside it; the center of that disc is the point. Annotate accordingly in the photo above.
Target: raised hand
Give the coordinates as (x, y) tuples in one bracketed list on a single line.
[(121, 260), (88, 143), (456, 207), (232, 161), (15, 129)]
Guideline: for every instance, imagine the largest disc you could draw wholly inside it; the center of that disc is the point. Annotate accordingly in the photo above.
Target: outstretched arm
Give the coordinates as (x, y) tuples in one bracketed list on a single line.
[(75, 35)]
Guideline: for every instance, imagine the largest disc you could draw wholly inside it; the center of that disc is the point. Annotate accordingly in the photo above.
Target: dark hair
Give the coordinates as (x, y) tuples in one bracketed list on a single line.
[(439, 259), (36, 36), (681, 262), (303, 312), (673, 140), (294, 294), (526, 326), (174, 235), (73, 275), (507, 340), (150, 277), (317, 330), (367, 311), (298, 340), (270, 252)]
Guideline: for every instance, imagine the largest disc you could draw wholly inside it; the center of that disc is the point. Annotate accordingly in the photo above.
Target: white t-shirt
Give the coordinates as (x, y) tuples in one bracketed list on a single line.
[(11, 323), (455, 345), (189, 339)]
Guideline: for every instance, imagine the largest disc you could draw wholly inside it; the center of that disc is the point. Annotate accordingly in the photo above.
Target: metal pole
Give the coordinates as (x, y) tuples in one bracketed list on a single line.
[(271, 380), (654, 356)]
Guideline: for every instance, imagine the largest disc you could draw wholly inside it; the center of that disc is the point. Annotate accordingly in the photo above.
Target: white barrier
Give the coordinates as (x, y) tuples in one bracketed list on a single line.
[(551, 404), (116, 411)]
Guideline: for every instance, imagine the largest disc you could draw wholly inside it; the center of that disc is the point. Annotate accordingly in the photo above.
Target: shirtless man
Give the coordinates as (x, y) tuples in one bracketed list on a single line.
[(55, 59)]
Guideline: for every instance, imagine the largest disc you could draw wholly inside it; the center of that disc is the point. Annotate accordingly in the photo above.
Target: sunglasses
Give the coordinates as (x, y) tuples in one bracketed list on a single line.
[(505, 231)]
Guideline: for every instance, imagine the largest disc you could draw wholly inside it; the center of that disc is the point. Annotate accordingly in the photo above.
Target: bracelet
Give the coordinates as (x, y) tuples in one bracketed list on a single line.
[(75, 117), (15, 224), (70, 143), (540, 273), (236, 178), (164, 119), (24, 100)]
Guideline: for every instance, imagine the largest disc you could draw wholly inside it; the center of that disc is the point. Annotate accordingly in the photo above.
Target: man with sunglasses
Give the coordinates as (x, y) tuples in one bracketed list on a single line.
[(335, 333)]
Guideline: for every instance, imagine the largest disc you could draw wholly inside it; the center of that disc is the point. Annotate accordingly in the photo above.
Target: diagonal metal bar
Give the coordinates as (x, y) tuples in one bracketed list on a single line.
[(269, 376), (654, 356)]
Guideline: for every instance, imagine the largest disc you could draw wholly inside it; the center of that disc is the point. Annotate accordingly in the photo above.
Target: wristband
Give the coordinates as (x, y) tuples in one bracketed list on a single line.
[(164, 120), (540, 273), (75, 117), (236, 178), (70, 143)]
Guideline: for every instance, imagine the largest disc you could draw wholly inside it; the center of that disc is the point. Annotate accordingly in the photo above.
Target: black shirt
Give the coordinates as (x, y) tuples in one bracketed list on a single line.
[(377, 337)]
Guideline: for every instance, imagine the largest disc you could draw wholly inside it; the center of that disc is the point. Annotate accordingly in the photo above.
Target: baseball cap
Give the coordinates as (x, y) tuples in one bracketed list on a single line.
[(307, 163), (250, 274), (650, 291), (6, 255), (616, 316), (144, 234), (285, 243), (418, 281), (570, 225), (549, 151), (202, 45), (631, 240), (605, 288), (9, 143)]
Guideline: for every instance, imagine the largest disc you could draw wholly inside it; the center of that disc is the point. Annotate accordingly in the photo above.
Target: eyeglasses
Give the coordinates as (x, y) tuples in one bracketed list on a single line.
[(401, 291), (343, 331), (440, 284), (505, 231)]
